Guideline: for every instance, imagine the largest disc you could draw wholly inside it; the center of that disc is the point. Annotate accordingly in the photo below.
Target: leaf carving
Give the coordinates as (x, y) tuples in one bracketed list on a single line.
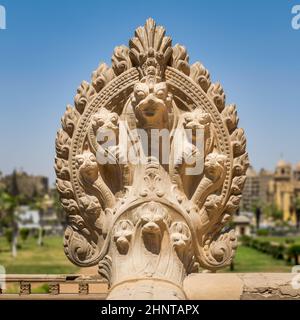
[(64, 188), (84, 94), (230, 117), (219, 252), (180, 59), (240, 165), (63, 144), (238, 185), (69, 120), (216, 93), (238, 142), (70, 206), (200, 75), (101, 77), (233, 204), (62, 169), (121, 60)]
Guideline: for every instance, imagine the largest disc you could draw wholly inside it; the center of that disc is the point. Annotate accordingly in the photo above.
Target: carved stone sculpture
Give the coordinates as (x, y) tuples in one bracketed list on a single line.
[(145, 220)]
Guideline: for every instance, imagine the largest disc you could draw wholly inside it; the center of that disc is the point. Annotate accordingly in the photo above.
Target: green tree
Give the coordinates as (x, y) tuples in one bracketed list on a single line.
[(58, 209), (273, 212), (24, 233), (9, 205), (294, 251)]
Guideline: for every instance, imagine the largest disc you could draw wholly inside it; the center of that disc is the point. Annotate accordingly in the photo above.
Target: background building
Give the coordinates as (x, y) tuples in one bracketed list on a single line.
[(280, 188), (29, 186), (44, 216), (251, 192)]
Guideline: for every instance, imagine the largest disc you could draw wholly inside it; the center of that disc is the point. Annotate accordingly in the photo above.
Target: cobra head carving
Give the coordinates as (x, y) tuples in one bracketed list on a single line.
[(138, 216)]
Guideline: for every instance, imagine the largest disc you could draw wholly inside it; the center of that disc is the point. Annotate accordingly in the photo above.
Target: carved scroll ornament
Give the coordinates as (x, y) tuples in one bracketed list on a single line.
[(150, 221)]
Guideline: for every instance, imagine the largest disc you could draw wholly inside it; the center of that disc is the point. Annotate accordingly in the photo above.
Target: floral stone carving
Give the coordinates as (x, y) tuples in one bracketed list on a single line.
[(148, 212)]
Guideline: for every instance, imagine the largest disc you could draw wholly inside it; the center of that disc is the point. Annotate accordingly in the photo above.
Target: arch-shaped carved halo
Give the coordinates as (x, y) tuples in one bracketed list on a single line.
[(91, 193)]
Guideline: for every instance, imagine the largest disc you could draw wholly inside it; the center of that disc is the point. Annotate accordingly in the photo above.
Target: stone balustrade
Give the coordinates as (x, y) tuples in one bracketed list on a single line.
[(60, 287), (201, 286)]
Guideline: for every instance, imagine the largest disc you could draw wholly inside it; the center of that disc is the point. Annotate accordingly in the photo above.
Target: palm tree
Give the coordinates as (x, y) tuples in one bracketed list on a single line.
[(9, 205)]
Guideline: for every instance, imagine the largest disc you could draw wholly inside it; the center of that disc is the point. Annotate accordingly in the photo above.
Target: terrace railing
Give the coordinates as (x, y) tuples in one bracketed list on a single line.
[(200, 286), (57, 287)]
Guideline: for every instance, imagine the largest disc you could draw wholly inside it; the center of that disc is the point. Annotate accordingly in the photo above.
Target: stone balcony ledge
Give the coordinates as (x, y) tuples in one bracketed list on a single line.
[(241, 286), (201, 286)]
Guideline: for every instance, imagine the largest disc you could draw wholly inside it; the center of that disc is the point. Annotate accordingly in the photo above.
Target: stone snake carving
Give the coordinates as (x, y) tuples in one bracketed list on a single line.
[(149, 220)]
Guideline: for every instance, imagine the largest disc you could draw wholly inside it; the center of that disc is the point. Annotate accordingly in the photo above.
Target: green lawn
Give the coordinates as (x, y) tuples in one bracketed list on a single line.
[(280, 239), (31, 258), (50, 259), (250, 260)]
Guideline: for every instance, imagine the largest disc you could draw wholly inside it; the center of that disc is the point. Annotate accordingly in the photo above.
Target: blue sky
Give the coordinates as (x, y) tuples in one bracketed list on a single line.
[(49, 47)]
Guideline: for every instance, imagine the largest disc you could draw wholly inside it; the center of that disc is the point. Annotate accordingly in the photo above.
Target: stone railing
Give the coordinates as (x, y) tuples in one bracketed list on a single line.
[(60, 287), (202, 286)]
